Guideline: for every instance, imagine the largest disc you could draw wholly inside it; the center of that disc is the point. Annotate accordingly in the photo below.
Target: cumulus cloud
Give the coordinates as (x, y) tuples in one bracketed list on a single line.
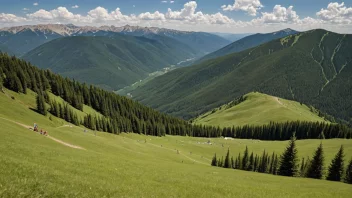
[(249, 6), (61, 14), (10, 18), (336, 13), (152, 16), (172, 1), (25, 9), (188, 14), (75, 6), (35, 4), (189, 18), (279, 15)]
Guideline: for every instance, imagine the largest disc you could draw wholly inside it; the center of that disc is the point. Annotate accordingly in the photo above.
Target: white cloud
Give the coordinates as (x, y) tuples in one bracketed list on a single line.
[(35, 4), (172, 1), (10, 18), (249, 6), (61, 14), (188, 14), (152, 16), (25, 9), (75, 6), (163, 1), (279, 15), (336, 13), (336, 17)]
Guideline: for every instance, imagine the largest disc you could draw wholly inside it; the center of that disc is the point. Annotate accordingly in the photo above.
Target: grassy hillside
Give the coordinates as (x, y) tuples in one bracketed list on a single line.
[(313, 67), (246, 43), (109, 62), (32, 165), (258, 109)]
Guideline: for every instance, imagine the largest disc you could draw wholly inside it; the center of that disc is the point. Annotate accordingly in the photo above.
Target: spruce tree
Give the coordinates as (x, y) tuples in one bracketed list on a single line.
[(232, 163), (348, 176), (302, 168), (227, 163), (245, 159), (214, 161), (275, 165), (316, 168), (41, 104), (288, 161), (251, 163), (336, 167)]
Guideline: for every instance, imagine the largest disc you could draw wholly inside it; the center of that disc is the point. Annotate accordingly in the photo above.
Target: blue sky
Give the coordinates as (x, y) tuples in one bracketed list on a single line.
[(239, 18)]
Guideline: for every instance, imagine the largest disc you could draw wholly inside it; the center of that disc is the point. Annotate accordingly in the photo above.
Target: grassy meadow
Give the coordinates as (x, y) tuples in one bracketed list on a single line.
[(132, 165), (258, 109)]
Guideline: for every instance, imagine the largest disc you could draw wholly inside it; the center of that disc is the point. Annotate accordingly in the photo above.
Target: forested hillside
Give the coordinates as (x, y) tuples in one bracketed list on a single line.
[(109, 62), (313, 67), (25, 40), (119, 114), (246, 43)]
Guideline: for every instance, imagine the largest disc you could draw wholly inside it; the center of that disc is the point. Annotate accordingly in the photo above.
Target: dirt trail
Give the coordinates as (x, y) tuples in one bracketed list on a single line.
[(277, 100), (52, 138)]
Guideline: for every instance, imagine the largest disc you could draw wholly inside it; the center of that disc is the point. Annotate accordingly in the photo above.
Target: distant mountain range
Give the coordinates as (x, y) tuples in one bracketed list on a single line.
[(247, 42), (109, 62), (313, 67), (231, 37), (22, 39)]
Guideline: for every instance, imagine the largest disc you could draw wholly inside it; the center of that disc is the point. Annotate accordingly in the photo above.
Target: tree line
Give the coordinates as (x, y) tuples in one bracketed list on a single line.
[(121, 114), (283, 131), (287, 164)]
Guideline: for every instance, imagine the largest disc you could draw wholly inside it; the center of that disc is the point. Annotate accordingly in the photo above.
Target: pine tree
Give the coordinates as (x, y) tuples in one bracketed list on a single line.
[(272, 163), (251, 163), (227, 163), (41, 104), (288, 161), (301, 170), (245, 159), (214, 161), (316, 168), (348, 176), (232, 163), (336, 167), (275, 166)]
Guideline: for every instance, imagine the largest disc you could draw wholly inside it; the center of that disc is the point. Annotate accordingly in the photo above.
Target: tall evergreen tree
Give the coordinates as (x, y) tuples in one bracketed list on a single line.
[(251, 163), (275, 165), (227, 162), (214, 161), (288, 161), (336, 166), (348, 176), (316, 168), (41, 104), (245, 159), (301, 170)]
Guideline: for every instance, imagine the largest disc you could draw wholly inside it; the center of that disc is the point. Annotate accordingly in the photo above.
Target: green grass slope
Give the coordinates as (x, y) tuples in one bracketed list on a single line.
[(109, 62), (32, 165), (312, 67), (258, 109)]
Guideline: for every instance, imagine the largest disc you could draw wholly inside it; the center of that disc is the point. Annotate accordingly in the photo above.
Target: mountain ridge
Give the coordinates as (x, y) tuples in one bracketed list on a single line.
[(298, 67)]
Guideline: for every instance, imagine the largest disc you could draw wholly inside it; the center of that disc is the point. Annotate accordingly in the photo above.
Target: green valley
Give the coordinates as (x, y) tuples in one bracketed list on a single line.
[(109, 62)]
